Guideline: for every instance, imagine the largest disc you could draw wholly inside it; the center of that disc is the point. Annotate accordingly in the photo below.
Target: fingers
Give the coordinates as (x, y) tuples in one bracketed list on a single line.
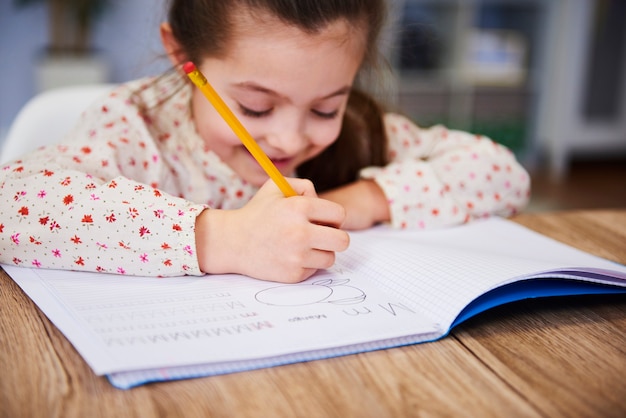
[(300, 275), (318, 259), (325, 212), (326, 217), (327, 238), (320, 211), (314, 261), (301, 233)]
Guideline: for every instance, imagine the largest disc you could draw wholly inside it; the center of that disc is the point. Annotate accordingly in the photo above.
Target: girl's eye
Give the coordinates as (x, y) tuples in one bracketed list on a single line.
[(326, 115), (254, 113)]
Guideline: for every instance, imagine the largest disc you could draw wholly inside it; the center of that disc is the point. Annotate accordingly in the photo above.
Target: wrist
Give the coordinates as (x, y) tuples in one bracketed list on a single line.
[(211, 241), (377, 201)]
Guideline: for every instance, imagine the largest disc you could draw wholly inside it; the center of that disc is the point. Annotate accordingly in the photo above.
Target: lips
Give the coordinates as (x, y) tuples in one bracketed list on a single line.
[(281, 162)]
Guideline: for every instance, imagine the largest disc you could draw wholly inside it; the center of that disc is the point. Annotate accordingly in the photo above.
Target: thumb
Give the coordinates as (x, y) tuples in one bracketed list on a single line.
[(303, 187)]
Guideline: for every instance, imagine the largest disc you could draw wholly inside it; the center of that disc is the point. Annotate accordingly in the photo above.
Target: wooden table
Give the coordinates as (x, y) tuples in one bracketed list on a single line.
[(544, 358)]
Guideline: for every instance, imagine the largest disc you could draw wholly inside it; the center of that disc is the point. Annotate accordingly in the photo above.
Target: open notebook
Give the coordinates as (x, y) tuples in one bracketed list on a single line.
[(389, 288)]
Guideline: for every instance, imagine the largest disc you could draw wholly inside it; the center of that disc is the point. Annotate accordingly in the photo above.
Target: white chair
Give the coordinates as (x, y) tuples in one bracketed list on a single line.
[(48, 116)]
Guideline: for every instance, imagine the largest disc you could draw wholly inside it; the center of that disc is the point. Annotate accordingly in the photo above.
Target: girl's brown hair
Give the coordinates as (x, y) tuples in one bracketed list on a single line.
[(203, 29)]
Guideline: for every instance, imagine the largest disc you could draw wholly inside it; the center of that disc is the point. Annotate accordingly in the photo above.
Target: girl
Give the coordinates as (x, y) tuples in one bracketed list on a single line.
[(153, 182)]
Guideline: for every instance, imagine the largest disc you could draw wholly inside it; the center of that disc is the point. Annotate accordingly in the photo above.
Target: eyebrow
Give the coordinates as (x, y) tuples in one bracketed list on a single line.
[(248, 85)]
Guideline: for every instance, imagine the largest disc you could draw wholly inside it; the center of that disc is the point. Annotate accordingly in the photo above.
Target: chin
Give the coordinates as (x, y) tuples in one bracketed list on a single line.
[(257, 176), (256, 180), (258, 183)]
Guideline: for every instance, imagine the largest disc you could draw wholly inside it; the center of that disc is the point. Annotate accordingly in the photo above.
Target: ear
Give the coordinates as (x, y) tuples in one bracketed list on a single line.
[(175, 53)]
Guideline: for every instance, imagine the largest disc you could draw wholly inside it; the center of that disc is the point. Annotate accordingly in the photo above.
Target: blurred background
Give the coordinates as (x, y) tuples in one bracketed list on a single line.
[(546, 78)]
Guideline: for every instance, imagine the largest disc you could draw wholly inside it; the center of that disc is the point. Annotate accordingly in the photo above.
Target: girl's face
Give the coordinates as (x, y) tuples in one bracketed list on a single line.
[(288, 88)]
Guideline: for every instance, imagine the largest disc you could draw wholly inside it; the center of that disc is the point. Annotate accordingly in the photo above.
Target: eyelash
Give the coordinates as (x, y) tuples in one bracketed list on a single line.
[(323, 115), (255, 114)]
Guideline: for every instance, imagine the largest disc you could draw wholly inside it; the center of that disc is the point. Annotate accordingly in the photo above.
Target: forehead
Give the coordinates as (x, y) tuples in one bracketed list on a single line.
[(296, 64)]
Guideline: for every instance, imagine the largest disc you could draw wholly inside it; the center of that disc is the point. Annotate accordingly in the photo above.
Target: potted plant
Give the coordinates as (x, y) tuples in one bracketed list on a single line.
[(69, 57)]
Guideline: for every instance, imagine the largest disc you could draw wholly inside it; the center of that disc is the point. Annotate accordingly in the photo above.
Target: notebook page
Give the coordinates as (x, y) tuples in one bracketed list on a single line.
[(122, 323), (440, 272)]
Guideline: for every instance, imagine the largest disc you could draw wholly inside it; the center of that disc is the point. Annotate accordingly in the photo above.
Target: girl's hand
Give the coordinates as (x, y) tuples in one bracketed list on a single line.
[(364, 201), (272, 237)]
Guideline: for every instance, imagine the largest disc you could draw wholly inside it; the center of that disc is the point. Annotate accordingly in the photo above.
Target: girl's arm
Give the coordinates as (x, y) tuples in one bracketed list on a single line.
[(95, 202), (364, 201), (437, 177)]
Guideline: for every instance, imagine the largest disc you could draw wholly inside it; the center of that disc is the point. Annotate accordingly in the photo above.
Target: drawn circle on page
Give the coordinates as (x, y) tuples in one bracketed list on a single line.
[(294, 295)]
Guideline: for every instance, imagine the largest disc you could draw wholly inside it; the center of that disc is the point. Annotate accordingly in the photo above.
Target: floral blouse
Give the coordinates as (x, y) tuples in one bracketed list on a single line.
[(120, 194)]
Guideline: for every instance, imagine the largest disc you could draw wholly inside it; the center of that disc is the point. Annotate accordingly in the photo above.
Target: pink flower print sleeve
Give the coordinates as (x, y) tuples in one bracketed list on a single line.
[(439, 177), (94, 202)]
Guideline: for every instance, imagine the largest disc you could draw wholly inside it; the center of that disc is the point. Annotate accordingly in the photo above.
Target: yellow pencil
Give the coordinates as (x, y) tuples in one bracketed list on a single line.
[(201, 82)]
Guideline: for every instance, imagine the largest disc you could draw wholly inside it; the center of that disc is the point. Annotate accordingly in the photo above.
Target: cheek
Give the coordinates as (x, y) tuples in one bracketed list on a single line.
[(325, 133), (214, 131)]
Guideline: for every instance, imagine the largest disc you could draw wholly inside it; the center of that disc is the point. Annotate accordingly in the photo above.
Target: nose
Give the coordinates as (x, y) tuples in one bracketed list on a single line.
[(288, 138)]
